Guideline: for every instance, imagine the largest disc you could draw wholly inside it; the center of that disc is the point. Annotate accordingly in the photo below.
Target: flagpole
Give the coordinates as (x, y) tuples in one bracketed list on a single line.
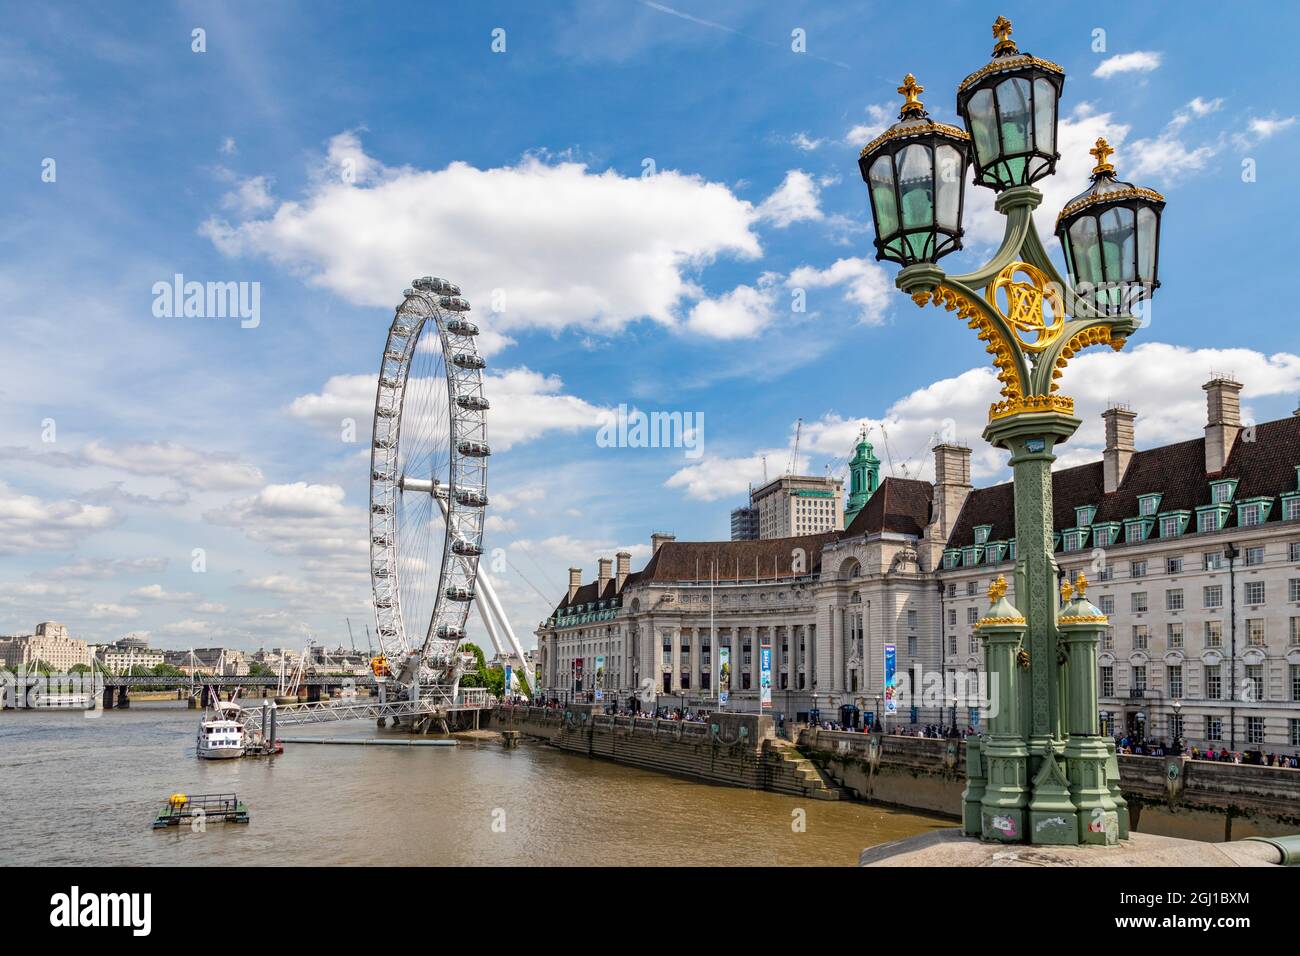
[(713, 637)]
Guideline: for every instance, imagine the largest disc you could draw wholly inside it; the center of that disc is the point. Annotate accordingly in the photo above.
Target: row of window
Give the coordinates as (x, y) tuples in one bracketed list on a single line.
[(1252, 684), (1251, 512), (1254, 594), (1212, 631), (1252, 556)]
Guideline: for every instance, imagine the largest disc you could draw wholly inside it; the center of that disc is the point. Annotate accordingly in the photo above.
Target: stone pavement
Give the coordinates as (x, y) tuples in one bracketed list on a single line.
[(951, 848)]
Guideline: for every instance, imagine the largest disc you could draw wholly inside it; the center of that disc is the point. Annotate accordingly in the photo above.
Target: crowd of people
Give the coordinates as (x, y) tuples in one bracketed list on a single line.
[(1124, 744), (1251, 757)]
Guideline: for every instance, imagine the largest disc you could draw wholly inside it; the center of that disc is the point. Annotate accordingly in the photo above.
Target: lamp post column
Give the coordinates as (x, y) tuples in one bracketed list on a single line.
[(1003, 793), (1031, 438), (1086, 755)]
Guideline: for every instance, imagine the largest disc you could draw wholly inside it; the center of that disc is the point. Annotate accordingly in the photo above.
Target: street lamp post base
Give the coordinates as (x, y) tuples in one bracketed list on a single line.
[(1053, 818)]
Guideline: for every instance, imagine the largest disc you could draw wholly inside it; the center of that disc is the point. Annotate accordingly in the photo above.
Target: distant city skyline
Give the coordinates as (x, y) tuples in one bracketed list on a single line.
[(637, 199)]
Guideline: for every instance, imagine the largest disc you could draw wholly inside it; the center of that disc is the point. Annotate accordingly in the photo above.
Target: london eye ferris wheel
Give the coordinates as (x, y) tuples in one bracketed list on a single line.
[(428, 485)]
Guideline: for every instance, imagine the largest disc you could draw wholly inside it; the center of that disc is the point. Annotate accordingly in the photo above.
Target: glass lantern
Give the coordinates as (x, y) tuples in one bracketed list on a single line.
[(1110, 234), (1010, 110), (915, 173)]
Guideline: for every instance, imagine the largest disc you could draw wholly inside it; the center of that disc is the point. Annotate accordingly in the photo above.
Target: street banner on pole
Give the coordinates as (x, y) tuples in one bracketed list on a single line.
[(891, 698), (724, 675)]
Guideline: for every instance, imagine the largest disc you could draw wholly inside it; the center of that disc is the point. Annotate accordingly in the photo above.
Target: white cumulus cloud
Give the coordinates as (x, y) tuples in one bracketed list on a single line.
[(795, 200), (518, 230), (1139, 61), (741, 313), (865, 284)]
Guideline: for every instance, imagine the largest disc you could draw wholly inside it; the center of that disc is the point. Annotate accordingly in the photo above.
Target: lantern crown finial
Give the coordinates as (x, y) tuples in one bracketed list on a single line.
[(1102, 153), (910, 90), (1002, 33)]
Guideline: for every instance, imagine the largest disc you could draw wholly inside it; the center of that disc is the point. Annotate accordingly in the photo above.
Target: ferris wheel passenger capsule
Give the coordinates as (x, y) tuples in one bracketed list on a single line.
[(473, 403), (471, 498), (462, 327), (453, 303), (455, 592), (466, 549), (468, 361), (474, 449)]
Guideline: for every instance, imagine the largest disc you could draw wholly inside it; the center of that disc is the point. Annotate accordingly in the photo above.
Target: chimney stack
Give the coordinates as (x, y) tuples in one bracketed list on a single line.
[(1119, 445), (1223, 422), (575, 581), (951, 465), (624, 568), (951, 485), (606, 573), (659, 538)]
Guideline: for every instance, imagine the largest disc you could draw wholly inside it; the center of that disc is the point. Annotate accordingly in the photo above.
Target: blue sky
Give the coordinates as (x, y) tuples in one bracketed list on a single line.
[(330, 152)]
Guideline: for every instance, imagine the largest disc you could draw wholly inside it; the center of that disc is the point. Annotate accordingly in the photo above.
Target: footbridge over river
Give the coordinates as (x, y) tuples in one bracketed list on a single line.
[(330, 698)]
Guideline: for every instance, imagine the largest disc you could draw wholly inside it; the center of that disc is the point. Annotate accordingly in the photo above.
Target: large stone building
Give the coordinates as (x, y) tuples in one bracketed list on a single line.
[(50, 645), (209, 662), (1193, 550), (794, 505), (126, 655)]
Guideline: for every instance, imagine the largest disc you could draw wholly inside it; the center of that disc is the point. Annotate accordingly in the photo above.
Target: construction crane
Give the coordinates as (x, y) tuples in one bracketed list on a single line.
[(889, 456), (794, 458), (905, 468)]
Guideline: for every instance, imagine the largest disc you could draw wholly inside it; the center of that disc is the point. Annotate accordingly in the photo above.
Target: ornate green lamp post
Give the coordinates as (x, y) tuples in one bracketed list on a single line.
[(1043, 773)]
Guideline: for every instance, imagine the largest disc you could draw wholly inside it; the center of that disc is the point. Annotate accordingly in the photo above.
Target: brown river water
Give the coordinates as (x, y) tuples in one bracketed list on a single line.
[(75, 790)]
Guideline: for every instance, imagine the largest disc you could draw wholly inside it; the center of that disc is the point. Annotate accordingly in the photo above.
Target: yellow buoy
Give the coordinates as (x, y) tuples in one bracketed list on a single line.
[(177, 800)]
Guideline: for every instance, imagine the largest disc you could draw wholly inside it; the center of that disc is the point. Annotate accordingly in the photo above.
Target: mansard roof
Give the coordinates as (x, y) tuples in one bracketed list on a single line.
[(761, 559), (1263, 463), (899, 505), (695, 561)]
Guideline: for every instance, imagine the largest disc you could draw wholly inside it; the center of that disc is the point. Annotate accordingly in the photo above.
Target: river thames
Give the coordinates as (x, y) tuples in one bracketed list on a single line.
[(78, 790)]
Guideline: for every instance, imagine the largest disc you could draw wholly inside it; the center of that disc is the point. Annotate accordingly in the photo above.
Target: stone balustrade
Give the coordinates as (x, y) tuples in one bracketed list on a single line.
[(1173, 796)]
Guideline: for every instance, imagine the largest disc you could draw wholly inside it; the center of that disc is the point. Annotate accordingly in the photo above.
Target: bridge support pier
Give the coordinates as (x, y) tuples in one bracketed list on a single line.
[(123, 699), (108, 697)]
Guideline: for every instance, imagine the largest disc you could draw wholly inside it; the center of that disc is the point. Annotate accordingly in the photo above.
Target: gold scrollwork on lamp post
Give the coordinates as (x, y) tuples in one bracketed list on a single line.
[(1034, 307), (1093, 335), (996, 343)]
